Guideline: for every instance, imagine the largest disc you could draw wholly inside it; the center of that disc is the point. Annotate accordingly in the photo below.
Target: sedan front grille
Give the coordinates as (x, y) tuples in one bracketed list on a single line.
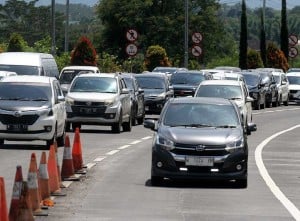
[(24, 119), (199, 150)]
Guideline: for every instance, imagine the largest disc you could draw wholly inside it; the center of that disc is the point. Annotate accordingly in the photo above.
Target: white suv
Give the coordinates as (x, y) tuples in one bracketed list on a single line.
[(99, 99), (32, 108)]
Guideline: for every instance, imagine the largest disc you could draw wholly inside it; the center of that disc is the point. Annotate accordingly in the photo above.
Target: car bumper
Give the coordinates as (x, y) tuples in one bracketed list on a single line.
[(174, 166), (154, 106)]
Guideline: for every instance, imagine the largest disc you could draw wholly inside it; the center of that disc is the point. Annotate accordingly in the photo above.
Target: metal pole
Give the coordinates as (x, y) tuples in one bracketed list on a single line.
[(186, 49), (67, 27), (53, 47)]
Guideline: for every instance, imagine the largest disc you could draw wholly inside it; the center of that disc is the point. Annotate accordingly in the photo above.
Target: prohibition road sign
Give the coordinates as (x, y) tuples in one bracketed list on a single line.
[(196, 50), (293, 40), (131, 35), (293, 52), (197, 37), (131, 49)]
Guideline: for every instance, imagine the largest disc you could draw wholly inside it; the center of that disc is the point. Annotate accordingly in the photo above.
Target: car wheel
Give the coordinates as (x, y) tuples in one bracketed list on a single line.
[(140, 120), (116, 127), (241, 183), (280, 100), (127, 125), (1, 141), (156, 180), (286, 103), (61, 140), (133, 113), (51, 141)]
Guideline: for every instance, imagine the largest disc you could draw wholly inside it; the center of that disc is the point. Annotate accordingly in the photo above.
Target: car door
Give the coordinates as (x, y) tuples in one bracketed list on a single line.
[(125, 99), (59, 107)]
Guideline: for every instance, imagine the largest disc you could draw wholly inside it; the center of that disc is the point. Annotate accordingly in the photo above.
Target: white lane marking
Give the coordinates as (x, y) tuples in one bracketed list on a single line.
[(112, 152), (90, 165), (123, 147), (273, 111), (66, 184), (135, 142), (293, 210), (146, 138), (98, 159)]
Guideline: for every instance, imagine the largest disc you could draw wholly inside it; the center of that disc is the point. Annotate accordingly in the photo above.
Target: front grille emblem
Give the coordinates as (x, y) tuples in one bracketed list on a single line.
[(88, 103), (17, 114), (200, 147)]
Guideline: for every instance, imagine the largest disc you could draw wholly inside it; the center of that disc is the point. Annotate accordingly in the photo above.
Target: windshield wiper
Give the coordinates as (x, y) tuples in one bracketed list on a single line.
[(235, 98), (226, 126), (194, 125), (39, 99)]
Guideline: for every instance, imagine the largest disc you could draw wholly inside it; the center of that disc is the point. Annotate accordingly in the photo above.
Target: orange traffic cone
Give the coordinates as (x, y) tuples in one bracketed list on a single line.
[(53, 173), (16, 194), (44, 182), (24, 211), (57, 162), (77, 153), (3, 206), (33, 188), (67, 169)]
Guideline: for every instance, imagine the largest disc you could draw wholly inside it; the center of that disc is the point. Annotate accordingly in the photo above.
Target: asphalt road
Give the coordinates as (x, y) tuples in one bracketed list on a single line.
[(117, 185)]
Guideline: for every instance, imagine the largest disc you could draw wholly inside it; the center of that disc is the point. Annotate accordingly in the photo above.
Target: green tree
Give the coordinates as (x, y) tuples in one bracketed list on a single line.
[(16, 43), (254, 59), (84, 53), (108, 63), (263, 49), (43, 45), (162, 22), (156, 56), (243, 38), (284, 34)]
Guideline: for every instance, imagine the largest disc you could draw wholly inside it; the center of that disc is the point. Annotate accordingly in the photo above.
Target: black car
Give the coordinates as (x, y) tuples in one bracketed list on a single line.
[(137, 98), (157, 91), (185, 83), (199, 138), (270, 85), (256, 88)]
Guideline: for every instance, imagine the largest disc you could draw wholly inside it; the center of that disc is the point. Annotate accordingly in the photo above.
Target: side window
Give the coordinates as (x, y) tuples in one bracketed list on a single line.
[(57, 89), (123, 84)]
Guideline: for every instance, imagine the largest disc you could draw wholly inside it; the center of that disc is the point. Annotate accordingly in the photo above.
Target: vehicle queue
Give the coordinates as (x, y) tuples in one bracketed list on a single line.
[(195, 137)]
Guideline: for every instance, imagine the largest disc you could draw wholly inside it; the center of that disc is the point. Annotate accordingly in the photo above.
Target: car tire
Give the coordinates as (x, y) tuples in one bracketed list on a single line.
[(140, 120), (241, 183), (286, 103), (51, 141), (134, 113), (61, 140), (127, 126), (156, 180), (1, 141), (279, 101), (116, 127)]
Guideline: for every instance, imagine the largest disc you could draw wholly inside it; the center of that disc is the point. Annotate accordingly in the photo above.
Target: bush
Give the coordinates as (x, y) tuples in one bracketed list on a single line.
[(254, 59), (108, 63), (156, 56), (84, 53), (276, 58), (63, 60)]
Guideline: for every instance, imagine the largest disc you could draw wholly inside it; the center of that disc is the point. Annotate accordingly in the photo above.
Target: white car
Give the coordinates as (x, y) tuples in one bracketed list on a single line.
[(32, 108), (294, 86), (232, 90), (282, 83), (99, 99), (69, 72)]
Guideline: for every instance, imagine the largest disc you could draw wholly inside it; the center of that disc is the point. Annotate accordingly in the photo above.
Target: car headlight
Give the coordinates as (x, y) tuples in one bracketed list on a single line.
[(69, 101), (235, 145), (46, 112), (165, 143), (161, 96)]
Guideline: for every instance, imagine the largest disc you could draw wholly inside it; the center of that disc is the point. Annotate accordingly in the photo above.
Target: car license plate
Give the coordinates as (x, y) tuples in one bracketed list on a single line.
[(199, 161), (88, 110), (17, 127)]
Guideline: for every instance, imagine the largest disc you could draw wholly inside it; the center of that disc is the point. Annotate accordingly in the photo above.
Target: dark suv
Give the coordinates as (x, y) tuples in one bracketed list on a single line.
[(185, 83), (157, 91), (256, 88), (270, 85)]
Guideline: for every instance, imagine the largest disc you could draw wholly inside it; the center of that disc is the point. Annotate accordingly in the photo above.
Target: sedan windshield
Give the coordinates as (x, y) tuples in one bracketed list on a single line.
[(21, 69), (294, 79), (94, 84), (222, 91), (25, 92), (200, 115), (251, 79)]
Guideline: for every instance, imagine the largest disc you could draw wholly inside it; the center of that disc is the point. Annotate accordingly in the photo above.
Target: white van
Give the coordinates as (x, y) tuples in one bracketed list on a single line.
[(29, 63)]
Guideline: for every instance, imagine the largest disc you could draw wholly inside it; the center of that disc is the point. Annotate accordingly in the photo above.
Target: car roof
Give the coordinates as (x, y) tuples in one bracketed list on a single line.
[(28, 79), (296, 74), (202, 100), (152, 74), (107, 75), (191, 72), (221, 82), (76, 67)]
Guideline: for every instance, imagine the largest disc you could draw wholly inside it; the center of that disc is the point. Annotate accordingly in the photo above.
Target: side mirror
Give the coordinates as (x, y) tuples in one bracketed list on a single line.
[(249, 99), (252, 127), (140, 90), (125, 91), (150, 124)]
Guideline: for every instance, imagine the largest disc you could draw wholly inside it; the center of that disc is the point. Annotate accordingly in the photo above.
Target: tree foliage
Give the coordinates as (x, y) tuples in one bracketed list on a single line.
[(276, 57), (156, 56), (254, 59), (84, 53), (16, 43)]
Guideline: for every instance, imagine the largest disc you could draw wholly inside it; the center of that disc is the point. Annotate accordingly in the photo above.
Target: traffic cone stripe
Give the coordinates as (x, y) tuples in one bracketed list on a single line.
[(67, 154), (17, 188), (32, 182), (43, 171)]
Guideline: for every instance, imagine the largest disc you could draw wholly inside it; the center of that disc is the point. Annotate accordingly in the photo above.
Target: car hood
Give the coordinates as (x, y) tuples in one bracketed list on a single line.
[(206, 136), (184, 86), (153, 92), (23, 105), (92, 96), (294, 87)]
